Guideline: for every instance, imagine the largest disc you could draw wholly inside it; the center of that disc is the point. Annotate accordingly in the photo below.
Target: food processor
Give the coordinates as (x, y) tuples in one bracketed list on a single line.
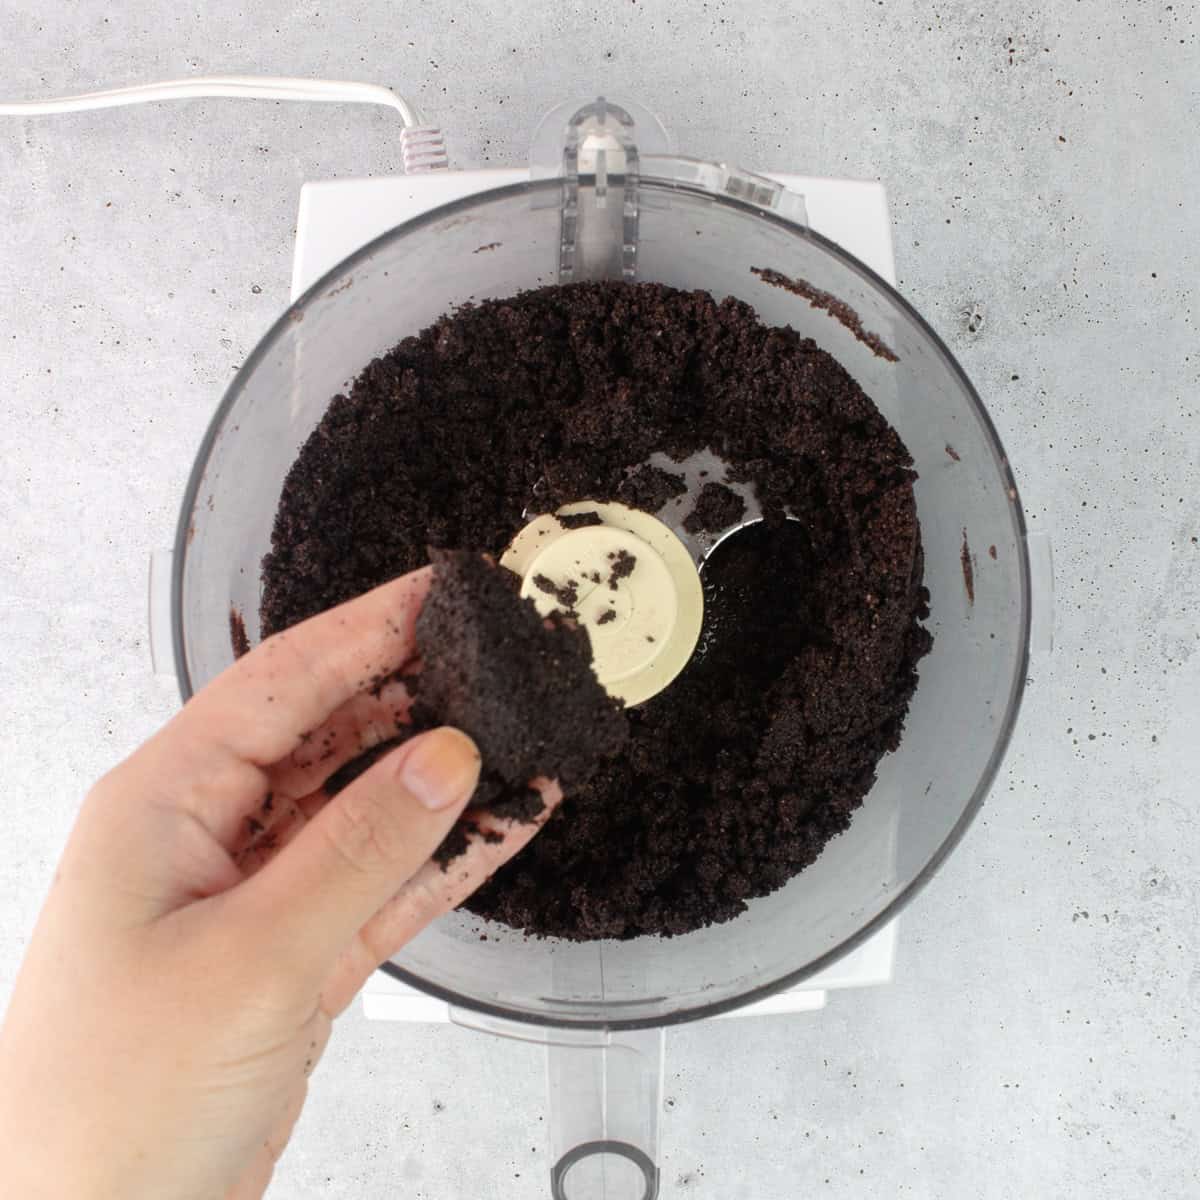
[(607, 198)]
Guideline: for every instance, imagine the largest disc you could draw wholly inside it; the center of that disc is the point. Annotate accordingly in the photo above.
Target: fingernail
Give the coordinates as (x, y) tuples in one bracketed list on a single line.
[(441, 769)]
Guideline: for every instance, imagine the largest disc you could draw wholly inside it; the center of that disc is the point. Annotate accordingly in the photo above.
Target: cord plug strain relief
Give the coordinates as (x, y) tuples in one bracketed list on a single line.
[(422, 148)]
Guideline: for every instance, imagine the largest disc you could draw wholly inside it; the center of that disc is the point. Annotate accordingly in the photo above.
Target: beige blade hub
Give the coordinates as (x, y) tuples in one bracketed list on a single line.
[(628, 581)]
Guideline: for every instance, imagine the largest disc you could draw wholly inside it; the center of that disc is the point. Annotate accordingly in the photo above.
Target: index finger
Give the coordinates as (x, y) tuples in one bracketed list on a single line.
[(261, 708)]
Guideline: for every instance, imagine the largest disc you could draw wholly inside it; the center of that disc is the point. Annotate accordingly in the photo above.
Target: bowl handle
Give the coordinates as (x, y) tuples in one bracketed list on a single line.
[(162, 656), (604, 1097), (604, 1105), (1041, 586)]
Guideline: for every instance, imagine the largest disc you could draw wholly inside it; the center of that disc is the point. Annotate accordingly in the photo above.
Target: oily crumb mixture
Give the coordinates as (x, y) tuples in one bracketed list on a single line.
[(735, 777), (521, 686)]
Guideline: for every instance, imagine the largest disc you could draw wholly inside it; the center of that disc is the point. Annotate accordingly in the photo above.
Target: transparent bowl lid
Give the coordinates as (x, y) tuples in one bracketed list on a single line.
[(687, 236)]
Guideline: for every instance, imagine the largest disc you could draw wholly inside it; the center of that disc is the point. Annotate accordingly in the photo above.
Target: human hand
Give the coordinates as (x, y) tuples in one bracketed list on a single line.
[(214, 910)]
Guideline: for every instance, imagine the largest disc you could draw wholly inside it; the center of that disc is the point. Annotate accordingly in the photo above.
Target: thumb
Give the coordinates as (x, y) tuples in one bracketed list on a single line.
[(361, 848)]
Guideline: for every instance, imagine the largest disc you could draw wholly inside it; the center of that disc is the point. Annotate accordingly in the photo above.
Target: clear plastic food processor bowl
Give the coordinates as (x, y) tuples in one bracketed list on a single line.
[(606, 200)]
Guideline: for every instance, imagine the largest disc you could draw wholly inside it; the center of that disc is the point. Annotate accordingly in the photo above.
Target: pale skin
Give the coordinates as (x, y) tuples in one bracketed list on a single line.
[(199, 937)]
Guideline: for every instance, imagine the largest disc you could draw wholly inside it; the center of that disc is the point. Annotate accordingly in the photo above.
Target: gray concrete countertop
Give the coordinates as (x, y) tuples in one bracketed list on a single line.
[(1040, 1038)]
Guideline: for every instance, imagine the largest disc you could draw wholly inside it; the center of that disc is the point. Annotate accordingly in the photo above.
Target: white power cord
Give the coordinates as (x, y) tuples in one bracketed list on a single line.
[(422, 146)]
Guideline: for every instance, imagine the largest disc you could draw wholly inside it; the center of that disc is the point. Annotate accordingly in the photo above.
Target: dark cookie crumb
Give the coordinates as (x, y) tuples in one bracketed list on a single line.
[(968, 569), (717, 508), (522, 805), (237, 634), (456, 843), (566, 594), (650, 488), (453, 845), (838, 309), (579, 520), (622, 567), (737, 775), (522, 687)]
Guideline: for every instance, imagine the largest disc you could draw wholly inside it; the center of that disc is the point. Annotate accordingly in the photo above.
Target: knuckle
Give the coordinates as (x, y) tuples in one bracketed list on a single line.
[(364, 830), (285, 655)]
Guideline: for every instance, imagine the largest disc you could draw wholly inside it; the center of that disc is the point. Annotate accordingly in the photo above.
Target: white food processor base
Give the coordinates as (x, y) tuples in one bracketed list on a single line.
[(337, 217)]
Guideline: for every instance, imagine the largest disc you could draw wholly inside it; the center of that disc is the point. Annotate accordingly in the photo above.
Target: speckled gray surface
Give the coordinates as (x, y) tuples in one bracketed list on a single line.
[(1040, 1038)]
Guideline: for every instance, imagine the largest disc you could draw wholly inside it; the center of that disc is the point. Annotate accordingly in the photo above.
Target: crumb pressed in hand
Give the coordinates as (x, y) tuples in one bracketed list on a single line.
[(520, 685)]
